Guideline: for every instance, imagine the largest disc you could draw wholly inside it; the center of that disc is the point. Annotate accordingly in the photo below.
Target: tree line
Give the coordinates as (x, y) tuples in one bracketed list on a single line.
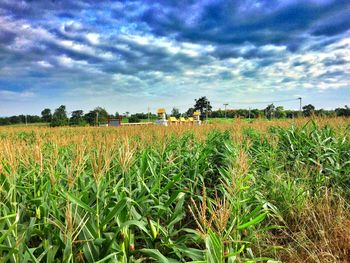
[(60, 117), (271, 111), (99, 115)]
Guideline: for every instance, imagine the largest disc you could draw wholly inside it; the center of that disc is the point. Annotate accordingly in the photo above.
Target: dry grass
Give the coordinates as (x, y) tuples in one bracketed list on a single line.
[(65, 136), (319, 234)]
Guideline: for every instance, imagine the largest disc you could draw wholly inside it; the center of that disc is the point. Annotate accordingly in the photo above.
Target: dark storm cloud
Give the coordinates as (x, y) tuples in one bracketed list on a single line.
[(226, 75), (91, 43), (249, 73), (57, 49), (227, 25), (245, 51), (331, 74), (6, 37), (334, 61), (300, 63), (148, 58), (231, 22), (36, 9), (286, 80), (334, 25), (324, 42)]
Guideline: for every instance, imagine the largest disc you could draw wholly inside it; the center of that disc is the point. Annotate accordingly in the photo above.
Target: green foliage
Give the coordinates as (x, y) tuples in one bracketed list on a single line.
[(184, 200), (308, 110), (345, 112), (270, 111), (46, 115), (97, 116), (77, 118), (203, 106), (59, 118), (175, 113), (133, 119), (280, 112)]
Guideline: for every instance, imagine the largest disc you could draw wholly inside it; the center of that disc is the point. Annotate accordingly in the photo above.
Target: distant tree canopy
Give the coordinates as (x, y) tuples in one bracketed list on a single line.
[(175, 112), (97, 116), (280, 112), (77, 118), (59, 118), (46, 115), (20, 119), (133, 119), (345, 112), (308, 110), (189, 112), (270, 110), (203, 106)]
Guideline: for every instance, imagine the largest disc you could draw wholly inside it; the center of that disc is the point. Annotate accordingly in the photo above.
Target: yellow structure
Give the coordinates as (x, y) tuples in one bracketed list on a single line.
[(161, 111), (183, 120), (173, 120), (196, 119)]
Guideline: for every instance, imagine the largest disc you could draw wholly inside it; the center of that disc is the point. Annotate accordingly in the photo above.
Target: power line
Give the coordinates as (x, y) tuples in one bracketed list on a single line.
[(225, 104), (150, 109), (257, 102)]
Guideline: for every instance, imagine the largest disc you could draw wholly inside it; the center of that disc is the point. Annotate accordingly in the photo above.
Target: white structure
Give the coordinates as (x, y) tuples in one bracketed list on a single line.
[(114, 122), (161, 117), (196, 119)]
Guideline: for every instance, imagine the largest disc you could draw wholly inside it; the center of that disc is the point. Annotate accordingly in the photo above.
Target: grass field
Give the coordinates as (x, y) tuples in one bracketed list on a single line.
[(257, 191)]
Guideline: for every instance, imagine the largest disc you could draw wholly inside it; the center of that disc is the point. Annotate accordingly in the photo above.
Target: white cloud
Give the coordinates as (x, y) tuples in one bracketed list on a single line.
[(44, 64), (13, 95), (93, 38)]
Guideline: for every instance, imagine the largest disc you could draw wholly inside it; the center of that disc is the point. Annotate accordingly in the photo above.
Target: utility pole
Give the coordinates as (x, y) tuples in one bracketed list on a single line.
[(299, 106), (249, 114), (225, 104), (97, 118), (207, 111), (148, 114)]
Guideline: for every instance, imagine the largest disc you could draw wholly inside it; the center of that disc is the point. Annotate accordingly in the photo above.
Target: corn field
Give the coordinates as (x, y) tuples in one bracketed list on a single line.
[(265, 191)]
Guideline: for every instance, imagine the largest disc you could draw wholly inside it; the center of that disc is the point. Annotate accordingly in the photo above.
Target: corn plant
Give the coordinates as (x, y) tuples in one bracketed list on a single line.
[(214, 193)]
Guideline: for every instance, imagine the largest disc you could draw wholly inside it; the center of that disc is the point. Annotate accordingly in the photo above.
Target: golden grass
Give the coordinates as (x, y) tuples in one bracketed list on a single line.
[(320, 233), (109, 135)]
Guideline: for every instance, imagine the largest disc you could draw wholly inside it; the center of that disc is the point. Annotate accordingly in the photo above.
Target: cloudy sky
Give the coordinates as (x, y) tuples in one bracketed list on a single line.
[(131, 55)]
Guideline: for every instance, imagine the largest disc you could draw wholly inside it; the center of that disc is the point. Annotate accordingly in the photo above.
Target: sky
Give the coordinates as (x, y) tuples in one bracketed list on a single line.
[(135, 55)]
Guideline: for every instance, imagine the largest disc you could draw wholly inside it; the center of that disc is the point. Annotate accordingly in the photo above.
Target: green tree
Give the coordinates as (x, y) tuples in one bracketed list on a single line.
[(133, 119), (218, 113), (96, 116), (46, 115), (90, 117), (175, 112), (280, 113), (189, 112), (343, 111), (77, 118), (59, 118), (102, 115), (255, 113), (308, 110), (203, 106), (269, 111)]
